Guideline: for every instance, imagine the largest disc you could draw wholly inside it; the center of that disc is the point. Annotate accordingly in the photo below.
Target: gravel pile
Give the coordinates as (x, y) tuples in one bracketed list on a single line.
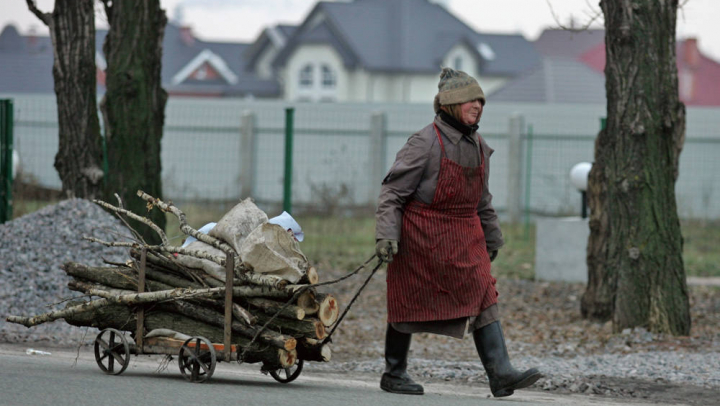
[(32, 249), (576, 356)]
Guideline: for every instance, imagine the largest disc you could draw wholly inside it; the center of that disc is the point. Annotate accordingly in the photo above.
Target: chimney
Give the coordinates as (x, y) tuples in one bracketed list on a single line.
[(691, 53), (186, 35), (32, 37)]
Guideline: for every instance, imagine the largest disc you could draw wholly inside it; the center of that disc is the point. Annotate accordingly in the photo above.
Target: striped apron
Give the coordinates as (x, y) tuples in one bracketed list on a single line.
[(442, 268)]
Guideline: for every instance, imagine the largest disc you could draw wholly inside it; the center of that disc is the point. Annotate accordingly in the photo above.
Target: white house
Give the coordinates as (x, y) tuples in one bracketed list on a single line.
[(382, 51)]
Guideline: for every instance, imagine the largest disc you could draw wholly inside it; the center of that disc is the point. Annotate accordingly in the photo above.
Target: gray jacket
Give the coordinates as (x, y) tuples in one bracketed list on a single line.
[(415, 172)]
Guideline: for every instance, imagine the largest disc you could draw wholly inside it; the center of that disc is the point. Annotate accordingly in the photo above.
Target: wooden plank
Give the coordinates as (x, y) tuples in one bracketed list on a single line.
[(141, 311), (174, 343), (229, 274)]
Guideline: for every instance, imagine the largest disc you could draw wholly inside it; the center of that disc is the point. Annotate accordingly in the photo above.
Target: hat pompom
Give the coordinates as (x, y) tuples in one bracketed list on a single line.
[(447, 73)]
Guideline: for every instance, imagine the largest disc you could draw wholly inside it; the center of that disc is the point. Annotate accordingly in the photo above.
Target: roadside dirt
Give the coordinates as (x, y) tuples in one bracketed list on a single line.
[(539, 319)]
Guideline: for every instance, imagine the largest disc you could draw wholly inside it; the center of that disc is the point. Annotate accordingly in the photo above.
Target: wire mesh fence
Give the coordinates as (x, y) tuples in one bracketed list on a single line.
[(220, 151)]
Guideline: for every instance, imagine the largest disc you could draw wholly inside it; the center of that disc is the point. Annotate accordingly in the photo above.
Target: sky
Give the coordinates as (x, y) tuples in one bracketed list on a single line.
[(243, 20)]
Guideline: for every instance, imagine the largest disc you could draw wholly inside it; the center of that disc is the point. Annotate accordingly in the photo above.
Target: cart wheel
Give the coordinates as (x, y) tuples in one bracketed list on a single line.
[(112, 347), (197, 359), (290, 373)]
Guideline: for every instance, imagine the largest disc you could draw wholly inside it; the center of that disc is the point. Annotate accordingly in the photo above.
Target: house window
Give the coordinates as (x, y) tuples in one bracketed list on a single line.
[(458, 63), (328, 77), (306, 76), (201, 73)]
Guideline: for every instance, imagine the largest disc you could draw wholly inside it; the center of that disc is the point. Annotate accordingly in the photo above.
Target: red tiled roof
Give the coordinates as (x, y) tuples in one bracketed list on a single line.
[(698, 75)]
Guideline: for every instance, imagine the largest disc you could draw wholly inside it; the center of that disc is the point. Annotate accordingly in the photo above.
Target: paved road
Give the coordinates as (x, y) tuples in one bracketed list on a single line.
[(29, 380)]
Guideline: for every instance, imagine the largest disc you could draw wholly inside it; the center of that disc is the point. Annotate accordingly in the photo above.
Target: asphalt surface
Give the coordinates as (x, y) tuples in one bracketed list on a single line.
[(71, 377)]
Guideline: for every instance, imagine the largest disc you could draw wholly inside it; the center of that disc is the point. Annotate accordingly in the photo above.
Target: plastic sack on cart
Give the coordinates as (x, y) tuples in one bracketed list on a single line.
[(238, 223), (270, 249)]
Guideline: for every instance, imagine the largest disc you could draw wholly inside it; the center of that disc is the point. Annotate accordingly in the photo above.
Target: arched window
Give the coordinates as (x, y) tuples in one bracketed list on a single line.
[(328, 77), (306, 76)]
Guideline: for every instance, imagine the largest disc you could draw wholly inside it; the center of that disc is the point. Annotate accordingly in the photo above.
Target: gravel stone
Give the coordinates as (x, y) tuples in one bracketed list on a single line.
[(32, 249)]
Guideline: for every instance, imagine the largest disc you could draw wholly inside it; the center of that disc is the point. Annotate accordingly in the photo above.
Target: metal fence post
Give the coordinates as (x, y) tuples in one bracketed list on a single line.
[(287, 184), (247, 154), (528, 178), (6, 159), (377, 153), (515, 162)]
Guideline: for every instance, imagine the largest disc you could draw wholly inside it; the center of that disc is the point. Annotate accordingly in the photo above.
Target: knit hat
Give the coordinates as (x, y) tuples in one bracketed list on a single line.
[(456, 87)]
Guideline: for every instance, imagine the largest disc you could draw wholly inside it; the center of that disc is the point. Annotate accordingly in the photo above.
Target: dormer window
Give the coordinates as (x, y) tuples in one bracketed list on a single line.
[(486, 51), (458, 63), (201, 73), (306, 76), (328, 77)]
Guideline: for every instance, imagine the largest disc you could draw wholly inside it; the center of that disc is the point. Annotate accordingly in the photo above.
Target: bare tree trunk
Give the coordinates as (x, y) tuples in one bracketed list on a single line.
[(134, 104), (79, 157), (636, 273)]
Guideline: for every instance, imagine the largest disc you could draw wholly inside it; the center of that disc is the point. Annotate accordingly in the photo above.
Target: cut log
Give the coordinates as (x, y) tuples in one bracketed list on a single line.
[(313, 350), (271, 307), (198, 313), (311, 277), (122, 318), (126, 278), (214, 318), (309, 327), (306, 301), (129, 300), (329, 309), (239, 313)]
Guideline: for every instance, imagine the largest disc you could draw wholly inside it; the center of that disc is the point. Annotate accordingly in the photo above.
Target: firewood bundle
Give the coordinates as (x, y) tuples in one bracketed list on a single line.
[(278, 316)]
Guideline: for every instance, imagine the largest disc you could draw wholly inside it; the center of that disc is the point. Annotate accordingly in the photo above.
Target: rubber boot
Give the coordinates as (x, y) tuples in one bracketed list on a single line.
[(395, 379), (504, 379)]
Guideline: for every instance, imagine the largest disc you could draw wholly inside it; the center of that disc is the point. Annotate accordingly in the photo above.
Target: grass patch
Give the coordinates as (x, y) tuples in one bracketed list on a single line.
[(22, 207), (700, 248), (338, 243), (516, 259)]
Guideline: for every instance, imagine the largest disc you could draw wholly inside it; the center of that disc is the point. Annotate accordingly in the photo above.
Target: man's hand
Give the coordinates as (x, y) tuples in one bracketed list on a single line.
[(385, 249), (493, 255)]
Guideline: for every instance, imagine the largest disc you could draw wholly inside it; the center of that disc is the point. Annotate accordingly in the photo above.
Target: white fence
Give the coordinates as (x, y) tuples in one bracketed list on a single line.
[(225, 150)]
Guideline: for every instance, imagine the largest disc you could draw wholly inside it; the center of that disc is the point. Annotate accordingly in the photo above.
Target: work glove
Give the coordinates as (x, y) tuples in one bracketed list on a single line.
[(493, 255), (385, 249)]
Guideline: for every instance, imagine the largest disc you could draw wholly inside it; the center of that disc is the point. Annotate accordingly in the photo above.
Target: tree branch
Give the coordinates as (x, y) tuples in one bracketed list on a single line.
[(593, 17), (130, 299), (184, 227), (46, 18), (133, 216)]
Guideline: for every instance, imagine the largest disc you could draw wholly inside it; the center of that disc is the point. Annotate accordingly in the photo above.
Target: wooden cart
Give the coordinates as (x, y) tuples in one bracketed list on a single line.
[(197, 356)]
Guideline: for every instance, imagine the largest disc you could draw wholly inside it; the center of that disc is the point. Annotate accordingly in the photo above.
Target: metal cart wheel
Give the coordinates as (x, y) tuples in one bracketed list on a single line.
[(197, 363), (111, 348), (290, 374)]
